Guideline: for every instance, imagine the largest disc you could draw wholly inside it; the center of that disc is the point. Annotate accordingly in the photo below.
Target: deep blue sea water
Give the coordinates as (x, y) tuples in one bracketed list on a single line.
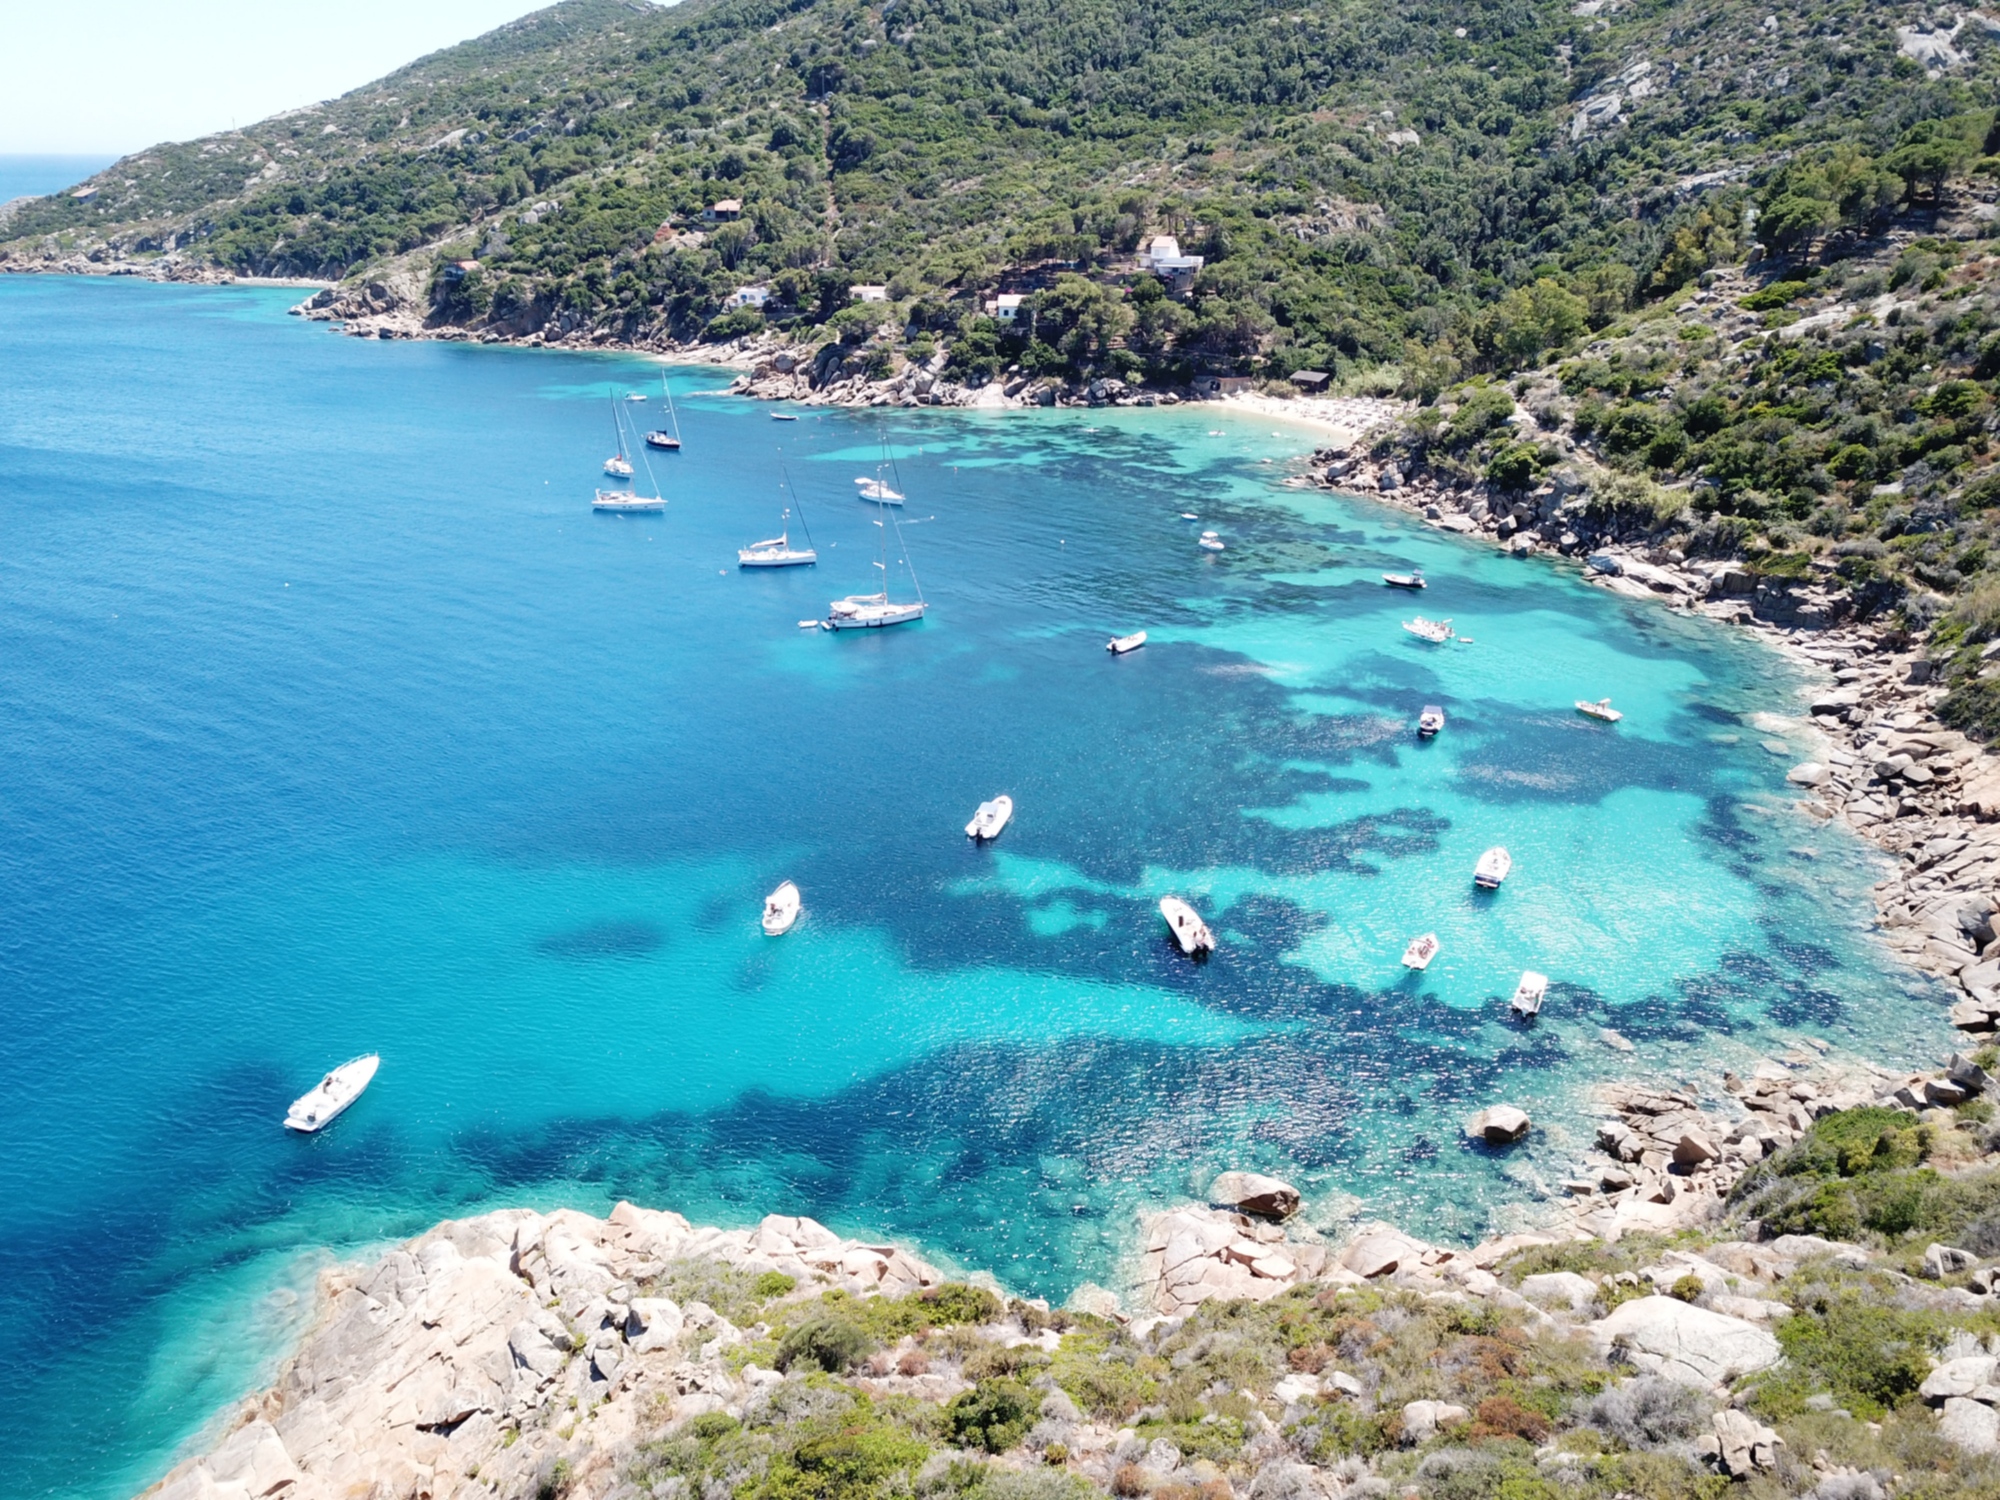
[(332, 720), (25, 176)]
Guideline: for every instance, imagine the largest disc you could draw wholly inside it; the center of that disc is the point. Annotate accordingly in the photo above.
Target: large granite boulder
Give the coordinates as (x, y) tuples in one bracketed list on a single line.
[(1971, 1425), (1564, 1287), (1686, 1344), (1254, 1193), (1500, 1125)]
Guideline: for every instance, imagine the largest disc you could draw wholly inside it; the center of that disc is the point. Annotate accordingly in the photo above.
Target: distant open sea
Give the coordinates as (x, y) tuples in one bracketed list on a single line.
[(332, 720), (32, 176)]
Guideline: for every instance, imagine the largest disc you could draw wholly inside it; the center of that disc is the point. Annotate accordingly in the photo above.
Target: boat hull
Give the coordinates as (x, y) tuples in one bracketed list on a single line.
[(876, 617), (313, 1111), (661, 440), (776, 559), (1119, 645), (781, 910), (1187, 927), (619, 505), (990, 819)]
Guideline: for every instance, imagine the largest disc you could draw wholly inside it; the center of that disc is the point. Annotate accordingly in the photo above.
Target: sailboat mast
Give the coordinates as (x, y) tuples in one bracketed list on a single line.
[(785, 475), (672, 415)]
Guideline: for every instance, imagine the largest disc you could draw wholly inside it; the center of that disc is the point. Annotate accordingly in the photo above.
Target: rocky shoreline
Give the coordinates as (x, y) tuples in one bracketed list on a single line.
[(1914, 788)]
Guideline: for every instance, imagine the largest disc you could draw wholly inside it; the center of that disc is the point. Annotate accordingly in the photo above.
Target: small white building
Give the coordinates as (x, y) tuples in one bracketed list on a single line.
[(1006, 307), (868, 293), (1162, 256), (749, 296)]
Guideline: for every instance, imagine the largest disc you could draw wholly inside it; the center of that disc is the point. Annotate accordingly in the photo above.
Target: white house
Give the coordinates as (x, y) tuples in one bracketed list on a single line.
[(749, 296), (868, 293), (1162, 256), (1007, 307)]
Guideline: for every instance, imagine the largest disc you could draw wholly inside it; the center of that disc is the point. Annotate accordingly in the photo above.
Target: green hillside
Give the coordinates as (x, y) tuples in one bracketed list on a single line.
[(1452, 187)]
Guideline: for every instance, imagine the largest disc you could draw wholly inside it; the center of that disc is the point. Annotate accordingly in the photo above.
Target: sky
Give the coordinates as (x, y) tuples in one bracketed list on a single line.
[(112, 76)]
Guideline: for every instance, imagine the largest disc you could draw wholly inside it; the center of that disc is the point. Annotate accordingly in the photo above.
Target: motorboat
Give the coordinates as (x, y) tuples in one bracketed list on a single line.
[(1601, 709), (875, 489), (783, 416), (870, 612), (1209, 542), (624, 502), (1421, 951), (776, 552), (1492, 868), (1414, 579), (1527, 1001), (990, 819), (781, 910), (635, 395), (1187, 927), (1430, 721), (1188, 515), (1437, 632), (1118, 645), (320, 1106)]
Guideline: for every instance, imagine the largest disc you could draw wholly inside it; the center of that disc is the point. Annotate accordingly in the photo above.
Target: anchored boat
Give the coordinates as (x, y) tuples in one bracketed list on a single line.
[(324, 1103), (1430, 721), (1601, 709), (1492, 868), (990, 818), (1188, 929), (781, 910), (623, 502), (1437, 632), (671, 441), (1414, 579), (1527, 1001), (1421, 951), (1209, 541), (1118, 645)]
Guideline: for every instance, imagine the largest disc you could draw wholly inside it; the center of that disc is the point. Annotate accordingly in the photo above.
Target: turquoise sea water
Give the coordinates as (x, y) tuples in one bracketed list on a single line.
[(332, 720), (24, 176)]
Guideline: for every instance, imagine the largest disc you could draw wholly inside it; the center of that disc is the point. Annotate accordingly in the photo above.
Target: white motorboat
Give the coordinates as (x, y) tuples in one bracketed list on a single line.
[(1421, 951), (781, 910), (1187, 927), (624, 502), (990, 818), (783, 416), (1601, 709), (324, 1102), (1527, 1001), (1437, 632), (635, 395), (1430, 721), (1492, 868), (775, 552), (875, 489), (1118, 645), (1209, 541), (1414, 579)]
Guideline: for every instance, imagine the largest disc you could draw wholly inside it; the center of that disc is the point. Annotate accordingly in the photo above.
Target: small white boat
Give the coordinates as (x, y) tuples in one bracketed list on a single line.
[(1188, 928), (876, 489), (1601, 709), (871, 612), (1437, 632), (1188, 515), (319, 1108), (1421, 951), (1430, 721), (1527, 1001), (783, 416), (990, 819), (1492, 868), (1118, 645), (635, 395), (623, 502), (775, 552), (1210, 542), (781, 910), (1411, 580)]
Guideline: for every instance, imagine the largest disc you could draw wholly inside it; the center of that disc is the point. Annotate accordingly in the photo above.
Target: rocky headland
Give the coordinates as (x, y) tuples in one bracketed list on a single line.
[(537, 1355)]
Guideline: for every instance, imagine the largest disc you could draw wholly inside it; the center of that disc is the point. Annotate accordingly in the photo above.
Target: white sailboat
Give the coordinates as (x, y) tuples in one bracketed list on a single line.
[(629, 502), (618, 466), (781, 910), (1187, 927), (878, 610), (991, 817), (671, 441), (1492, 868), (778, 551), (1528, 994), (318, 1107), (878, 490)]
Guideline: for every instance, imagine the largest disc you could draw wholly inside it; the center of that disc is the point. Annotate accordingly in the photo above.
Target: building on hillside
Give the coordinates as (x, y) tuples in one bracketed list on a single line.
[(722, 211), (1312, 382), (1162, 256), (1209, 387), (749, 296), (458, 270), (860, 293), (1006, 308)]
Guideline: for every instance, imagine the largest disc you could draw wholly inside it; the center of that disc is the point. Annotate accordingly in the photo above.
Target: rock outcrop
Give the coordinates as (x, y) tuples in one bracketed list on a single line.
[(1683, 1343)]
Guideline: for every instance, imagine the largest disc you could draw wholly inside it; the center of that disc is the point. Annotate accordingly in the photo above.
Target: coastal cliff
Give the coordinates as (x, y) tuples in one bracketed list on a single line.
[(1706, 1337)]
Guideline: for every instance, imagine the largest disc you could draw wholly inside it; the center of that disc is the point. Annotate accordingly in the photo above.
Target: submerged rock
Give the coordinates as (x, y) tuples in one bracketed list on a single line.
[(1254, 1193), (1500, 1125)]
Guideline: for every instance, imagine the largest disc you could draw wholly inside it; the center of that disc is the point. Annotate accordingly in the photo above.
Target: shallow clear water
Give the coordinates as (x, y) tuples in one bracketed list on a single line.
[(331, 720)]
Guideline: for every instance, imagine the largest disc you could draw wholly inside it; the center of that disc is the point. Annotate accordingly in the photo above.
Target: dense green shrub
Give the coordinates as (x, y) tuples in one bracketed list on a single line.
[(994, 1414), (828, 1343)]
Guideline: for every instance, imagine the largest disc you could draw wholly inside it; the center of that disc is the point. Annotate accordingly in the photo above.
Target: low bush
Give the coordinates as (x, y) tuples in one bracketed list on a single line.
[(994, 1415), (832, 1344)]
